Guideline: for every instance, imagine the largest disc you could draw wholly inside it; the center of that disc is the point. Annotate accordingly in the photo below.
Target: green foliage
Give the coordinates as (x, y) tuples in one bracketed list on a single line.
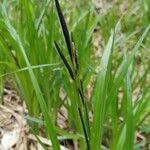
[(47, 47)]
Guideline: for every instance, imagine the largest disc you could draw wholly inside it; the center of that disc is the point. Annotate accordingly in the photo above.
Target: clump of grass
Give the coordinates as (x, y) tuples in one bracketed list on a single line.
[(27, 48)]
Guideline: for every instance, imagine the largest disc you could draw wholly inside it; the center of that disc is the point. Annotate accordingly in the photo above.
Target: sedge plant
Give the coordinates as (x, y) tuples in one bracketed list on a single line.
[(46, 49)]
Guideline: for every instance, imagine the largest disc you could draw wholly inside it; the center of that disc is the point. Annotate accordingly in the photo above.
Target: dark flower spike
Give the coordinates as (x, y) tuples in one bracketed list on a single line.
[(64, 28), (80, 88), (64, 60), (75, 57)]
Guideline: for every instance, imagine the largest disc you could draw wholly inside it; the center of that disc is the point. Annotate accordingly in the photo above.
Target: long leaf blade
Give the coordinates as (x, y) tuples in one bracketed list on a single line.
[(100, 97)]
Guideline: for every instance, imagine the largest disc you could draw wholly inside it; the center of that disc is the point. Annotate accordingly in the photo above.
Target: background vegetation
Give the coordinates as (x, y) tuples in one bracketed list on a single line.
[(97, 68)]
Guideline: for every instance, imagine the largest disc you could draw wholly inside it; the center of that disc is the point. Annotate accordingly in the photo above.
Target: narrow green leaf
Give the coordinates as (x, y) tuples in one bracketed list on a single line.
[(100, 97), (129, 113), (47, 119), (124, 67)]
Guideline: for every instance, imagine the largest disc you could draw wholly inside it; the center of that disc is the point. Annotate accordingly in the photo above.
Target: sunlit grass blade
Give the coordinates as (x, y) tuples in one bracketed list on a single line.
[(49, 125), (128, 128), (124, 67), (47, 119), (126, 137), (129, 113), (26, 69), (99, 98), (39, 21), (140, 109)]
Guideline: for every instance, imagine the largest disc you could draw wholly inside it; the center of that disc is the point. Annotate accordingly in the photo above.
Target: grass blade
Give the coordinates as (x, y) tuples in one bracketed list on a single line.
[(100, 97), (124, 68), (47, 119), (129, 113)]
